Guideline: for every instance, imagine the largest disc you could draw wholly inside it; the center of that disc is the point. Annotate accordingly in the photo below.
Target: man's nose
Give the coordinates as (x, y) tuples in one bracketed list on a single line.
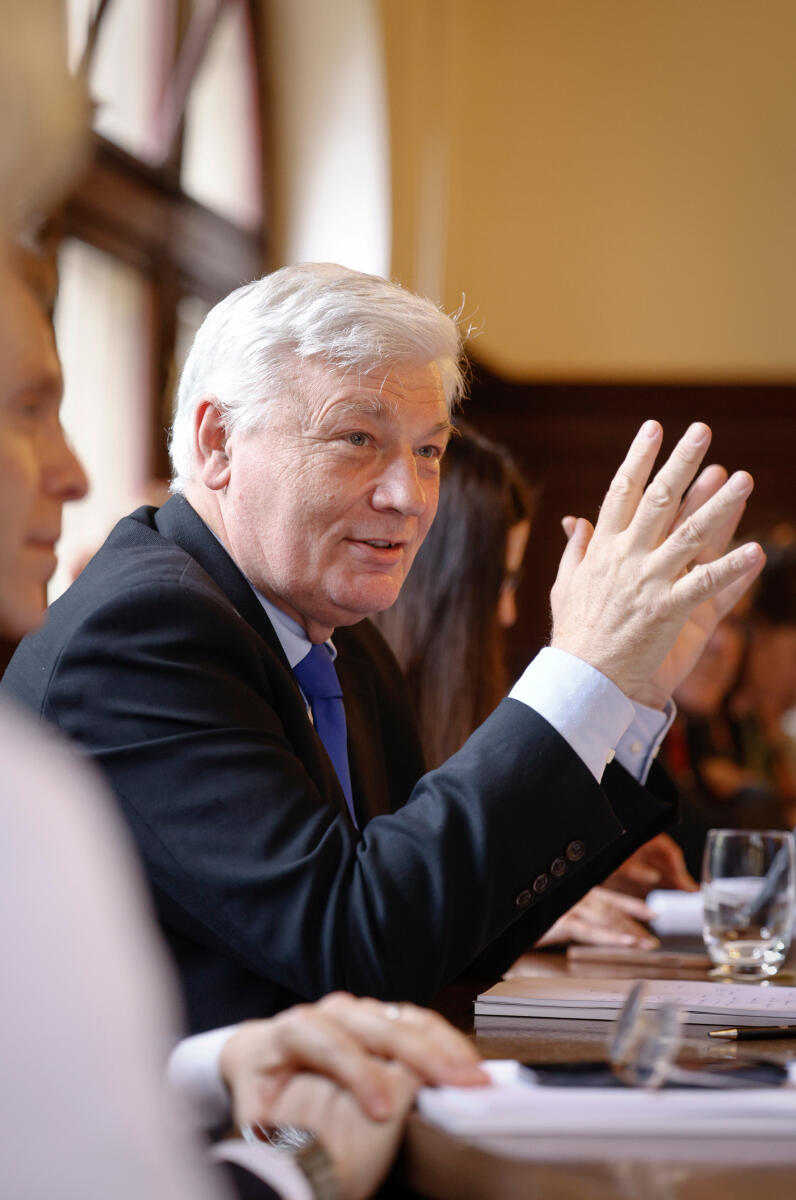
[(400, 488), (64, 476)]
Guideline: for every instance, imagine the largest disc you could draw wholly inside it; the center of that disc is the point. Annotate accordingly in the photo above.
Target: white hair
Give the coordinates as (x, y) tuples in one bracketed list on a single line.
[(249, 346)]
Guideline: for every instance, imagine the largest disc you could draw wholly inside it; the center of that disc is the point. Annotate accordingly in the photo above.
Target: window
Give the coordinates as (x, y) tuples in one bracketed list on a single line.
[(167, 220)]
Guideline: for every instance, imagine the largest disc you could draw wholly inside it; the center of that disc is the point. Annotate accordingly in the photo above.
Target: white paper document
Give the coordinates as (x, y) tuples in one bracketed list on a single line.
[(704, 1003), (516, 1106)]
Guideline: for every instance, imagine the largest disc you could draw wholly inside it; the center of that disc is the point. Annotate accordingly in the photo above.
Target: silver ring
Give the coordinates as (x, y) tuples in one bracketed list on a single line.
[(392, 1012)]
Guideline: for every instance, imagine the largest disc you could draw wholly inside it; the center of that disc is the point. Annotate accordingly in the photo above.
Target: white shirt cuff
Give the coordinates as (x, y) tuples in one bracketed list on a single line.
[(193, 1072), (589, 711), (641, 742), (277, 1169)]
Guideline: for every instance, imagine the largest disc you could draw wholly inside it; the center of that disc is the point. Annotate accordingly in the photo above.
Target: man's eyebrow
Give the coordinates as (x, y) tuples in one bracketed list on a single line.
[(375, 406), (446, 427), (381, 406)]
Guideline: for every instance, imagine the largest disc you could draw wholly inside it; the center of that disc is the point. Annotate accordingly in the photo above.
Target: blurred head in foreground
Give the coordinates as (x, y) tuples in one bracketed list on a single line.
[(446, 627), (42, 125)]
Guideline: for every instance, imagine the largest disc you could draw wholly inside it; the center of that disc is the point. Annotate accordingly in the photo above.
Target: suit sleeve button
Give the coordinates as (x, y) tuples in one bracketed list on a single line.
[(575, 851), (541, 883), (558, 867), (524, 899)]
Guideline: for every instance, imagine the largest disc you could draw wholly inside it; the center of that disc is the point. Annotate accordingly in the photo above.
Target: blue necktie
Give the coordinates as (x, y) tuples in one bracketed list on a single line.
[(319, 683)]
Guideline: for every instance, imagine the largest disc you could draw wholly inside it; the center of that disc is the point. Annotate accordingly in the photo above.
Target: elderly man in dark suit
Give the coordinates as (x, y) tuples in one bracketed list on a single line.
[(272, 778)]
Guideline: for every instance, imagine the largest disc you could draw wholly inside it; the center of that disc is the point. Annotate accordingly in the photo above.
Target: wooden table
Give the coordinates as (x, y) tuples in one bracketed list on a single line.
[(441, 1167)]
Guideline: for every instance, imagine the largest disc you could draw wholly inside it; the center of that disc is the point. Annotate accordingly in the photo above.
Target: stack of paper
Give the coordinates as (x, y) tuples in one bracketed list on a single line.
[(704, 1003)]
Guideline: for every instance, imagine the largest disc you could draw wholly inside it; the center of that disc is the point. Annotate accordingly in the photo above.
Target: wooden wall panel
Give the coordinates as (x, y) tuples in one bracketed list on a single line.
[(571, 437)]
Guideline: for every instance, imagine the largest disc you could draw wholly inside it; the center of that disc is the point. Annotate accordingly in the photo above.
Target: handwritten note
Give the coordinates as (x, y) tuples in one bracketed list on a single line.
[(703, 1002)]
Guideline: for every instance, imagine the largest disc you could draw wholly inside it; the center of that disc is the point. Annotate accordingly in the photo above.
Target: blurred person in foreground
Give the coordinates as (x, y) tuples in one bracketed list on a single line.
[(464, 579), (88, 1008)]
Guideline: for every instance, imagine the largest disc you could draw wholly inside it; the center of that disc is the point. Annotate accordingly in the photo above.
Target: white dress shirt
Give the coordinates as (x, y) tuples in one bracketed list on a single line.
[(592, 714)]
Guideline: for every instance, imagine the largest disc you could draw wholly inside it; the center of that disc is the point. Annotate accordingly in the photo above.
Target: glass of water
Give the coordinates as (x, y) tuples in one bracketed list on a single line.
[(748, 892)]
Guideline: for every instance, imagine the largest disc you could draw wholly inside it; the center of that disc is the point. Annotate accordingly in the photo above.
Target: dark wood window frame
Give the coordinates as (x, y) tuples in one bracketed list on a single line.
[(139, 215)]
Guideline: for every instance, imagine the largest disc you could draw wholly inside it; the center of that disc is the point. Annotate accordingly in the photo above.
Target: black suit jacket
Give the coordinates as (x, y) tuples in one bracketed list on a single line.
[(161, 662)]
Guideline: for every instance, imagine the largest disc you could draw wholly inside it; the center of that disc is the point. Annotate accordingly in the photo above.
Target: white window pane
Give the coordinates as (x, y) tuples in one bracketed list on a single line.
[(220, 164), (78, 18), (101, 326), (130, 60)]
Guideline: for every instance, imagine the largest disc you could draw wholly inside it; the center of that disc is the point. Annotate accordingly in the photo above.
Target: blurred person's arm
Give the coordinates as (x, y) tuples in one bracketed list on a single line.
[(603, 918), (659, 863)]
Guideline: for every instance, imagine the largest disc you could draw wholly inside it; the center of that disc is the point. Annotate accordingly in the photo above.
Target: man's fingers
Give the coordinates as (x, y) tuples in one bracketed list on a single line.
[(606, 918), (706, 484), (315, 1042), (632, 905), (568, 525), (419, 1038), (722, 536), (627, 485), (697, 540), (661, 501), (574, 551), (726, 600), (621, 932), (724, 580)]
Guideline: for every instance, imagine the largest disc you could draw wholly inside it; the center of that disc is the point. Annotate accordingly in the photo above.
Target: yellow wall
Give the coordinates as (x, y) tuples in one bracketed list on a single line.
[(610, 183)]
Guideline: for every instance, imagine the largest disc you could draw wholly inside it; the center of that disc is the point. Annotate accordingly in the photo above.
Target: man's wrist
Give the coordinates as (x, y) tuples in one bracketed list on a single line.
[(583, 705), (308, 1153), (650, 697)]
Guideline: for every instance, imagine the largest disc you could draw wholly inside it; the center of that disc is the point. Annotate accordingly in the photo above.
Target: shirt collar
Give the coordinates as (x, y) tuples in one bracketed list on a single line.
[(292, 637)]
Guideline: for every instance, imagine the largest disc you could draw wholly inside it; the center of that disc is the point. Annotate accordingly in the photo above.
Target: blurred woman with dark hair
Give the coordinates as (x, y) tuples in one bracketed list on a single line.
[(463, 582)]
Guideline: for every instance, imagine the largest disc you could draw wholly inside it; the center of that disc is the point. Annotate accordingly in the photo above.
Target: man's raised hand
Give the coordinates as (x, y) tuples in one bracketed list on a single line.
[(638, 595)]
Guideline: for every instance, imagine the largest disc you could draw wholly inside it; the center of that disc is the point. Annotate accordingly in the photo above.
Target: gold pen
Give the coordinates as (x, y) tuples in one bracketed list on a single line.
[(751, 1033)]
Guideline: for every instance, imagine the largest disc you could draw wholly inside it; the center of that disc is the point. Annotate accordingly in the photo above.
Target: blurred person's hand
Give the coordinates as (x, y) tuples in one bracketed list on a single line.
[(659, 863), (638, 595), (603, 918), (726, 778), (361, 1149), (350, 1042)]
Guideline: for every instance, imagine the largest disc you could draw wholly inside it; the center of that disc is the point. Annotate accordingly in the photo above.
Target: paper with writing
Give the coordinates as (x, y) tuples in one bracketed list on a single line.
[(703, 1002)]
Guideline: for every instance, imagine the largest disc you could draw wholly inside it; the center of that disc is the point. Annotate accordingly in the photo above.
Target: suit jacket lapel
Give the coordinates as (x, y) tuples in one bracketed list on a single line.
[(178, 522)]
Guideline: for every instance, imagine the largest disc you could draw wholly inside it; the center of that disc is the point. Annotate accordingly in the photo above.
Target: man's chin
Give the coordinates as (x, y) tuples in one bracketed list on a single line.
[(365, 602)]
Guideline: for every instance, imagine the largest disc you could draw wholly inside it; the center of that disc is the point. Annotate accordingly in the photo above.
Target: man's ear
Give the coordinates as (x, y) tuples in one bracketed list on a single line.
[(210, 440)]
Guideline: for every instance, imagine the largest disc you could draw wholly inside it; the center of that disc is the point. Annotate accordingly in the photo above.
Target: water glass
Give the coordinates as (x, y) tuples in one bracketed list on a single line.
[(748, 891)]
